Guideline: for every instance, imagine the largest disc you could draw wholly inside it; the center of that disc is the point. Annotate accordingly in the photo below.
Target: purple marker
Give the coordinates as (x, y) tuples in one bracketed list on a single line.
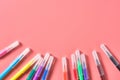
[(38, 73), (84, 66)]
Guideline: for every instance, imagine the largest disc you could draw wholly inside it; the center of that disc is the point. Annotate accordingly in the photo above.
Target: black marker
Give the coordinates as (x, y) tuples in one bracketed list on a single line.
[(98, 64), (113, 59)]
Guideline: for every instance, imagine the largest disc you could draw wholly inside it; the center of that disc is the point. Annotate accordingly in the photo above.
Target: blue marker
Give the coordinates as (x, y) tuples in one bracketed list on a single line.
[(14, 63), (47, 68), (84, 66)]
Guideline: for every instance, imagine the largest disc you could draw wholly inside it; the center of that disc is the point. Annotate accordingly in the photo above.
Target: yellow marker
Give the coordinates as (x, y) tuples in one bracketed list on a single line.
[(26, 67)]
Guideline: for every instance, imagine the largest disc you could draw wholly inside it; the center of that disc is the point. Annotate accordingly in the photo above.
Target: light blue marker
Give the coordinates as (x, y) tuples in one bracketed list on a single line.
[(14, 63), (47, 68)]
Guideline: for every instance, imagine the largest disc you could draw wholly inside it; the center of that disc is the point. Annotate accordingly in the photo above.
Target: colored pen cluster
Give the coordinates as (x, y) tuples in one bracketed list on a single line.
[(79, 67), (79, 64), (40, 71), (41, 66)]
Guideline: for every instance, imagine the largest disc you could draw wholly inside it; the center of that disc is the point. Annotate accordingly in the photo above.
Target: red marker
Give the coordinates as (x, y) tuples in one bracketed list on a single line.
[(74, 67)]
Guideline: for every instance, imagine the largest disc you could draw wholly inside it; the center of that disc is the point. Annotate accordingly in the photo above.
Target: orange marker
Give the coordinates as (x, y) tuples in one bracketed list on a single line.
[(64, 68)]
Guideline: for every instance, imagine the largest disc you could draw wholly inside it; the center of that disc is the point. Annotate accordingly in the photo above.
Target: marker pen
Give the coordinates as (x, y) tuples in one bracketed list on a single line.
[(40, 69), (9, 48), (34, 70), (64, 68), (26, 67), (47, 68), (99, 66), (79, 65), (74, 66), (84, 66), (110, 56), (14, 63)]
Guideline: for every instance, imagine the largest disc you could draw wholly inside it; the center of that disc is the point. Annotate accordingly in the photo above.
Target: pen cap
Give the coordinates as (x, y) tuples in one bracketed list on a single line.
[(38, 63), (113, 59), (45, 59), (83, 60), (64, 64), (12, 46), (84, 67), (95, 56), (78, 56), (49, 64), (73, 59), (105, 50), (24, 53), (34, 59)]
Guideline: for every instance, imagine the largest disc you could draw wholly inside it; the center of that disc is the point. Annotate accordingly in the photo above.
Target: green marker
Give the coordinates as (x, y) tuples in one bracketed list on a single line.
[(33, 71), (79, 65)]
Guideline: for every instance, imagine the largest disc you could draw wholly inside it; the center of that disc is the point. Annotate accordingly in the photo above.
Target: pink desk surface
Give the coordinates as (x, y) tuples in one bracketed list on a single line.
[(60, 27)]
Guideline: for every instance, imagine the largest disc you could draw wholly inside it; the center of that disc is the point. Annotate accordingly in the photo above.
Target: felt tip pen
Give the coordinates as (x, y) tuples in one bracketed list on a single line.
[(110, 56), (9, 48), (33, 71), (40, 69), (74, 66), (26, 67), (14, 63), (79, 65), (64, 68), (84, 66), (99, 66), (47, 68)]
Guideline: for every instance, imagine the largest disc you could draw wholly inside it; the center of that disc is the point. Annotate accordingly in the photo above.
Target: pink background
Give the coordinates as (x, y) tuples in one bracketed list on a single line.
[(61, 27)]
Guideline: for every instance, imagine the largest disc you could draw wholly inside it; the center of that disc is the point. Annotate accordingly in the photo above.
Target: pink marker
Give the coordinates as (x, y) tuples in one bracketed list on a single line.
[(9, 48)]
